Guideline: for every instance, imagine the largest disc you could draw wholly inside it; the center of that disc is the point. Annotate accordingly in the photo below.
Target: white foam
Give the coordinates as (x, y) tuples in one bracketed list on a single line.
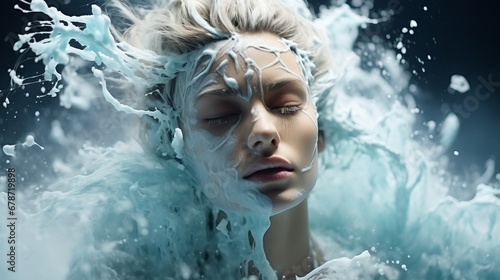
[(9, 150), (459, 83)]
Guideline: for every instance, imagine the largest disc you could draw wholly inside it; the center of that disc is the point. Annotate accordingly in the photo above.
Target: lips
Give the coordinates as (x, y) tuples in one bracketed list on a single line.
[(269, 169)]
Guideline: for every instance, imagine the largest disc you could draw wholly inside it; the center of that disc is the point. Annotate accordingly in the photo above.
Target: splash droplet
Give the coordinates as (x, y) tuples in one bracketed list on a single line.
[(9, 150), (459, 83)]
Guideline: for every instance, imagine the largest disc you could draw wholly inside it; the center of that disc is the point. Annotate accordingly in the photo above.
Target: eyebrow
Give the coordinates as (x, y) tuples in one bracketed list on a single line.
[(218, 91), (271, 86), (281, 83)]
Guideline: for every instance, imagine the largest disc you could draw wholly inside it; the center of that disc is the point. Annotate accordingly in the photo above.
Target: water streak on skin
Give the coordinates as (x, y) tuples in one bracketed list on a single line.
[(234, 56), (207, 52), (230, 82)]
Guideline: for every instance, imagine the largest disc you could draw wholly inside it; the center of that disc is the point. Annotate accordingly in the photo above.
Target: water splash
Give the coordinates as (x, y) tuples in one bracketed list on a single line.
[(118, 211)]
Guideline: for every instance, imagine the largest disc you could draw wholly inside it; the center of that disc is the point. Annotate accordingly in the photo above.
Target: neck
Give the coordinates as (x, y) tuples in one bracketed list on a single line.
[(286, 243)]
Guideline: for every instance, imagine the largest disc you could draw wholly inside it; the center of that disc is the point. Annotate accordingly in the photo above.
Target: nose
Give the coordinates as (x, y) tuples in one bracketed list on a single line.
[(264, 138)]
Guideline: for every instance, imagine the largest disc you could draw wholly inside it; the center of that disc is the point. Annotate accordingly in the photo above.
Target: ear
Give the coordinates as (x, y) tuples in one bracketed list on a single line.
[(321, 141)]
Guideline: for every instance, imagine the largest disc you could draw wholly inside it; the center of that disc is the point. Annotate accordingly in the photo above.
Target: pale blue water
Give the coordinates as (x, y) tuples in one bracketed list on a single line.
[(113, 210)]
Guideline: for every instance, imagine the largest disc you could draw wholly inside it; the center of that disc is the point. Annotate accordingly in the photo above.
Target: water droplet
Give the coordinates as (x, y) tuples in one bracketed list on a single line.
[(412, 88)]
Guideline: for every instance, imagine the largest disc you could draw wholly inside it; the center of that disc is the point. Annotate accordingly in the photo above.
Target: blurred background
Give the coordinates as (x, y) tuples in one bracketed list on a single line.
[(451, 38)]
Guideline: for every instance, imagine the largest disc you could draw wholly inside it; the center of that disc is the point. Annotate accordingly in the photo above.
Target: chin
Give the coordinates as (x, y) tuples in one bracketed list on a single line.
[(286, 199)]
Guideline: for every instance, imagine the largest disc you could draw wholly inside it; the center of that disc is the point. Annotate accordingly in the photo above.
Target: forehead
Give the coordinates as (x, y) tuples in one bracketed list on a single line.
[(253, 57), (264, 49)]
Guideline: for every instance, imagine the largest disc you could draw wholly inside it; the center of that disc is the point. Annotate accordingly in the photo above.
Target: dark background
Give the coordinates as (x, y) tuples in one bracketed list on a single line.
[(462, 37)]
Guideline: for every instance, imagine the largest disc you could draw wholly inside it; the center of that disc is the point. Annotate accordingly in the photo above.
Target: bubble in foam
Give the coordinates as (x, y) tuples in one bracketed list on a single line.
[(431, 125), (412, 88)]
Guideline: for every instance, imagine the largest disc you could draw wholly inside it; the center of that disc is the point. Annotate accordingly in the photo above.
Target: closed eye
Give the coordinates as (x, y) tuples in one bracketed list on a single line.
[(287, 110), (223, 120)]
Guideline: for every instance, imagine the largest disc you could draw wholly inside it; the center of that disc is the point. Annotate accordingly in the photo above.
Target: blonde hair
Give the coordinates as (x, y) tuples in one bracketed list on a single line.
[(170, 26)]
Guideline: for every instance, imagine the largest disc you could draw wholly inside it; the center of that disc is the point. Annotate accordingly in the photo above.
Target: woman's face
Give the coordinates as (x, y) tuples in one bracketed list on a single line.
[(249, 125)]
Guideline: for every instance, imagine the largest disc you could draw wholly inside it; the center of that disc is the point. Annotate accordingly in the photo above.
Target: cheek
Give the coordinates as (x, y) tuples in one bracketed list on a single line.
[(214, 152), (302, 139), (210, 158), (216, 174), (302, 132), (306, 146)]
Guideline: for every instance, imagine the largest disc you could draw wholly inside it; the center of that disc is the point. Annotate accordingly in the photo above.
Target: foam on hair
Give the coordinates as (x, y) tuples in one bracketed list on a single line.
[(170, 26)]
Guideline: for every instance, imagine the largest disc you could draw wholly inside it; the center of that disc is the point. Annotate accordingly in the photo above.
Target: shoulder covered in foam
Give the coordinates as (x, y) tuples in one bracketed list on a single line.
[(120, 217)]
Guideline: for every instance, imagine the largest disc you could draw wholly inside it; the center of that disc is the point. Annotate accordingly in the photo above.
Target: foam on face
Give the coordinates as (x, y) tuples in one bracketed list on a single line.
[(217, 171)]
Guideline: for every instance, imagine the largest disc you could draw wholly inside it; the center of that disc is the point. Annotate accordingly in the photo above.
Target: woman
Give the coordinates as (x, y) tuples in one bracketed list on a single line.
[(246, 91), (239, 103)]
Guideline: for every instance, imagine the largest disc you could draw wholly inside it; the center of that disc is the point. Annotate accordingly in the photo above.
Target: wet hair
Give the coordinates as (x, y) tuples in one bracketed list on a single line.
[(170, 26)]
